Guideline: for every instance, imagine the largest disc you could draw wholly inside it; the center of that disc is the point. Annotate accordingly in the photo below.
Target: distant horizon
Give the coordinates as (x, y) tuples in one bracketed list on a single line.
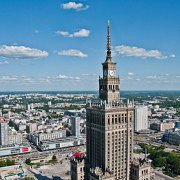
[(88, 91)]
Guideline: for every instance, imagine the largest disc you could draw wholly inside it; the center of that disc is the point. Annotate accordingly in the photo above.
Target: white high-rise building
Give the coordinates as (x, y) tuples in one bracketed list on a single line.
[(28, 107), (4, 132), (0, 112), (75, 126), (141, 118), (49, 103)]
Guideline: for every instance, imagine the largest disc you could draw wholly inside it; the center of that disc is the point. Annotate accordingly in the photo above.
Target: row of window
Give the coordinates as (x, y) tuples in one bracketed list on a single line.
[(119, 120), (112, 119), (119, 132), (109, 87)]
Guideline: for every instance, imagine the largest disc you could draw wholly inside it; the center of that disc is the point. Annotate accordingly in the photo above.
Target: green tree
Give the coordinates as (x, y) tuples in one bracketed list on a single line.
[(2, 163), (160, 162), (28, 178), (169, 160), (10, 162), (54, 158), (11, 124), (7, 163), (28, 161)]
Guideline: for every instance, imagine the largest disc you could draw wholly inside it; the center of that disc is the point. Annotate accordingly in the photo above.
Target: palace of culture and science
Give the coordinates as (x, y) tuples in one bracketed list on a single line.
[(109, 130)]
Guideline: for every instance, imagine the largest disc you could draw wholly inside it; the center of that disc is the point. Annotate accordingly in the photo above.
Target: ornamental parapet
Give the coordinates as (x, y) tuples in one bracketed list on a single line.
[(111, 105)]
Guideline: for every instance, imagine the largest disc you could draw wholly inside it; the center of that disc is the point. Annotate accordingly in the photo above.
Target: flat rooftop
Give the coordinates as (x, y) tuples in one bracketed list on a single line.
[(65, 139)]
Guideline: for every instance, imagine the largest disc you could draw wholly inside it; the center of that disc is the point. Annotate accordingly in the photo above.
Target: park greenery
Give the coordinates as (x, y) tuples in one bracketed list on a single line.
[(28, 162), (7, 162), (168, 161), (28, 178), (53, 160)]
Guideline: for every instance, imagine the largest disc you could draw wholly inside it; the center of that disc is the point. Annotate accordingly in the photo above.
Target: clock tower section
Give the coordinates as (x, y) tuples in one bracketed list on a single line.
[(109, 84)]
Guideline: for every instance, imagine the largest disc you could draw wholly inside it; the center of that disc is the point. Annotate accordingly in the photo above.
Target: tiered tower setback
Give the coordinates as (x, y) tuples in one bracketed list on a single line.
[(109, 126), (109, 84), (109, 130)]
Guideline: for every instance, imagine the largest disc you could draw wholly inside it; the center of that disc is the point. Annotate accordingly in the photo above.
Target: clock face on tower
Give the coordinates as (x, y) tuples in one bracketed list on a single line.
[(105, 73), (111, 73)]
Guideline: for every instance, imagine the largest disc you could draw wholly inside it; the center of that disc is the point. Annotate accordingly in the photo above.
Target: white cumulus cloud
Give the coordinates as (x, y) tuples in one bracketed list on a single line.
[(131, 73), (132, 51), (172, 56), (72, 52), (4, 62), (8, 78), (21, 52), (80, 33), (36, 31), (61, 77), (152, 77), (63, 33), (75, 6)]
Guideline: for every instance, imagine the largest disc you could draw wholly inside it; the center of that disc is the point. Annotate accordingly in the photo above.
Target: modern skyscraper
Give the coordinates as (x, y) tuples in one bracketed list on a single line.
[(75, 126), (141, 118), (3, 132), (110, 125)]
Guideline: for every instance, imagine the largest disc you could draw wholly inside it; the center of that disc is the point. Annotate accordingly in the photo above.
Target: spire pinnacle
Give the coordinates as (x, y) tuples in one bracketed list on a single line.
[(108, 56)]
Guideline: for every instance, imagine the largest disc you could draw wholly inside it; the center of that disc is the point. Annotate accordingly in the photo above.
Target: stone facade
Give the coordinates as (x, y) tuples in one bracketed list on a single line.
[(98, 174), (141, 170), (109, 125), (109, 128), (110, 138), (77, 169)]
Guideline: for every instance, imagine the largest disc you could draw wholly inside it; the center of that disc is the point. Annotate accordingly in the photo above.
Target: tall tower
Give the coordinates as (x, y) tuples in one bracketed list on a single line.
[(141, 118), (75, 126), (4, 132), (109, 126), (109, 84)]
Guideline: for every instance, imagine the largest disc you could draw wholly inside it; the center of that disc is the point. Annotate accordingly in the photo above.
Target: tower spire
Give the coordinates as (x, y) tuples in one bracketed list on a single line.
[(108, 55)]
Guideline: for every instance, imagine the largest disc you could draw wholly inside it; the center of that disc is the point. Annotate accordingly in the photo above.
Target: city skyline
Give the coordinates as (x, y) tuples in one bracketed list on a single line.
[(57, 46)]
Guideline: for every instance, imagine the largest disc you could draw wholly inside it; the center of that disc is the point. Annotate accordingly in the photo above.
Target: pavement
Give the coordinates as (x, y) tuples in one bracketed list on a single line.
[(161, 176), (58, 171)]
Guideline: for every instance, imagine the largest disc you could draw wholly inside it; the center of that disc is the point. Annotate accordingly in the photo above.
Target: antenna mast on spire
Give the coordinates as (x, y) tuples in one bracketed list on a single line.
[(108, 56)]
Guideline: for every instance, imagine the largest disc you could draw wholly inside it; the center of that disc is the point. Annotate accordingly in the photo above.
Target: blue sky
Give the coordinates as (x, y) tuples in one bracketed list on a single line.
[(60, 45)]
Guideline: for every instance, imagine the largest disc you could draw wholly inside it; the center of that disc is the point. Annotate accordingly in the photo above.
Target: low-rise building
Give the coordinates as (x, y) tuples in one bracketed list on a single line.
[(14, 138), (37, 137), (13, 150), (31, 127), (162, 126), (177, 124), (61, 143), (172, 136), (166, 125)]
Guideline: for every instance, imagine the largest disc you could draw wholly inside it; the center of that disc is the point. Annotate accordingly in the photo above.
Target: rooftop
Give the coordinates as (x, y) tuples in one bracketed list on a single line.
[(112, 105), (64, 139)]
